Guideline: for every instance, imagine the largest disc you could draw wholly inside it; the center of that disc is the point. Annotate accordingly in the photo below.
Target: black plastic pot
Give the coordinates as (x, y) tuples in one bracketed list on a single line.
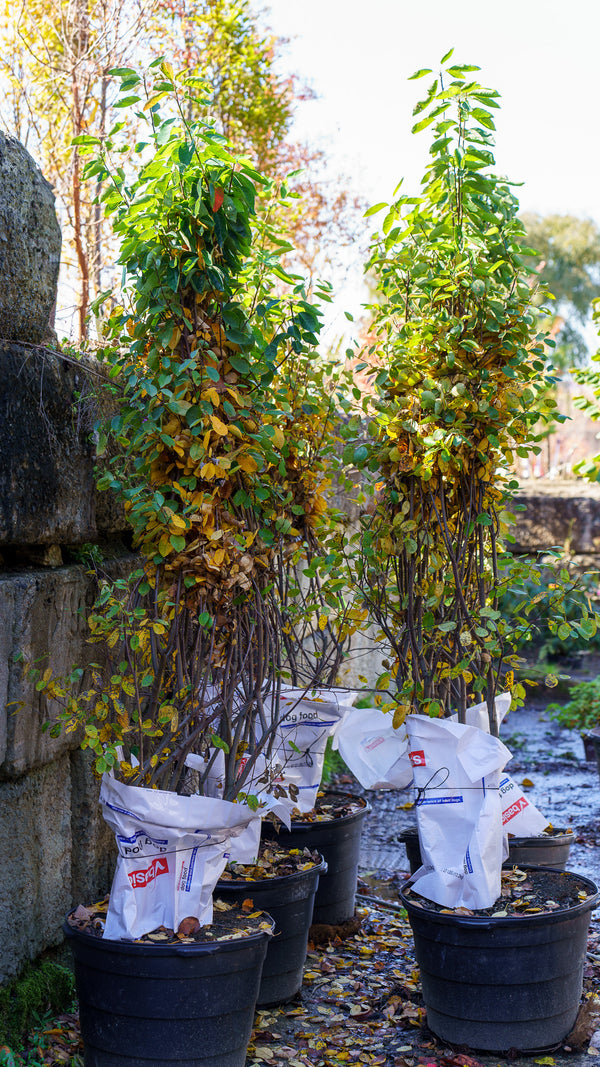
[(289, 901), (595, 740), (410, 839), (542, 851), (503, 983), (338, 842), (545, 851), (589, 749), (146, 1005)]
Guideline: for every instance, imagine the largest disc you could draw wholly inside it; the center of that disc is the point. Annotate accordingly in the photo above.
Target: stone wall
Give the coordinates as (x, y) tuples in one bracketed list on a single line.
[(55, 849), (559, 513)]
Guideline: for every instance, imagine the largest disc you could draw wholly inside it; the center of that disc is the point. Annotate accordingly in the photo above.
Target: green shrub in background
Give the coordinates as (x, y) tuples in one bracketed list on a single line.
[(43, 986), (582, 712), (545, 630), (333, 765)]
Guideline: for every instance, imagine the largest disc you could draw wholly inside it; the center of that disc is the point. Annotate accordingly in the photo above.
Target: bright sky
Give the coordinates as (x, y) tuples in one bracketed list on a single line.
[(543, 56)]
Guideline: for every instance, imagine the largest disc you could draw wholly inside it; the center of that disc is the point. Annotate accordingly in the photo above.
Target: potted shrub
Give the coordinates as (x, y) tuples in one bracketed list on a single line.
[(459, 377), (208, 362)]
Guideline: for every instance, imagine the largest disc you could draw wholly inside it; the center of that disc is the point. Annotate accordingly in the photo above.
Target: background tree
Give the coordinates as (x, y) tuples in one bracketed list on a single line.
[(569, 257), (55, 62)]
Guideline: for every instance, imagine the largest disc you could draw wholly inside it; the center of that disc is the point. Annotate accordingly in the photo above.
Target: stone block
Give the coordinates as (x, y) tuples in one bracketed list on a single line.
[(94, 851), (557, 513), (35, 863), (30, 241), (42, 619), (47, 472)]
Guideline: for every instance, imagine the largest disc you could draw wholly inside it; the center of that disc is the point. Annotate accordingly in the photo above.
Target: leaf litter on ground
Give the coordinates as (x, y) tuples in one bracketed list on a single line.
[(360, 1003)]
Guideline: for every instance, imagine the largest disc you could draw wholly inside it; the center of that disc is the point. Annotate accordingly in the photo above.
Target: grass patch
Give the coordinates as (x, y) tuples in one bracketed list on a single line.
[(43, 987)]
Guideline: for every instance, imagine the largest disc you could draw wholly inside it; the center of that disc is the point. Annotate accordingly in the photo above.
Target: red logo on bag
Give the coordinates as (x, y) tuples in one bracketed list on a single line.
[(140, 879), (515, 809), (417, 758)]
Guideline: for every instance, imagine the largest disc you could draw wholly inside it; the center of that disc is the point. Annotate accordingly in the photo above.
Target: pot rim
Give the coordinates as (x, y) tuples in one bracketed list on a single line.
[(274, 882), (539, 840), (138, 948), (299, 824), (489, 922)]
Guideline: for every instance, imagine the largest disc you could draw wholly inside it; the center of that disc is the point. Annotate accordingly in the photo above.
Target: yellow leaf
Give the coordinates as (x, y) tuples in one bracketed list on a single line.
[(179, 522), (278, 437), (247, 463), (322, 622), (218, 426), (212, 395), (175, 337), (400, 714), (509, 679)]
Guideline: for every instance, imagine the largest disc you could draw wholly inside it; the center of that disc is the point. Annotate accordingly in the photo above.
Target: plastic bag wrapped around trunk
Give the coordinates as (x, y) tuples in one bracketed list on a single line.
[(519, 816), (306, 719), (376, 754), (459, 815), (172, 851)]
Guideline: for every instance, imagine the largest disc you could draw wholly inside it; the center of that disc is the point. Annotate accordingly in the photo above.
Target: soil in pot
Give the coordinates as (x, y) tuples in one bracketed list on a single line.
[(510, 976), (283, 883), (333, 828), (184, 997)]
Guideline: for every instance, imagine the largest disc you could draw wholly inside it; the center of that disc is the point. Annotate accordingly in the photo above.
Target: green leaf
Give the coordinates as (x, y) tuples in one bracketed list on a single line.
[(218, 742), (420, 73), (447, 56), (127, 101), (373, 210), (85, 138)]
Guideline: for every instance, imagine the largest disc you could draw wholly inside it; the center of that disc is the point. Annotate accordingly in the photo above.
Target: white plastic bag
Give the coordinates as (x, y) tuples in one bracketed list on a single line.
[(172, 851), (519, 816), (477, 714), (306, 719), (376, 754), (457, 775)]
